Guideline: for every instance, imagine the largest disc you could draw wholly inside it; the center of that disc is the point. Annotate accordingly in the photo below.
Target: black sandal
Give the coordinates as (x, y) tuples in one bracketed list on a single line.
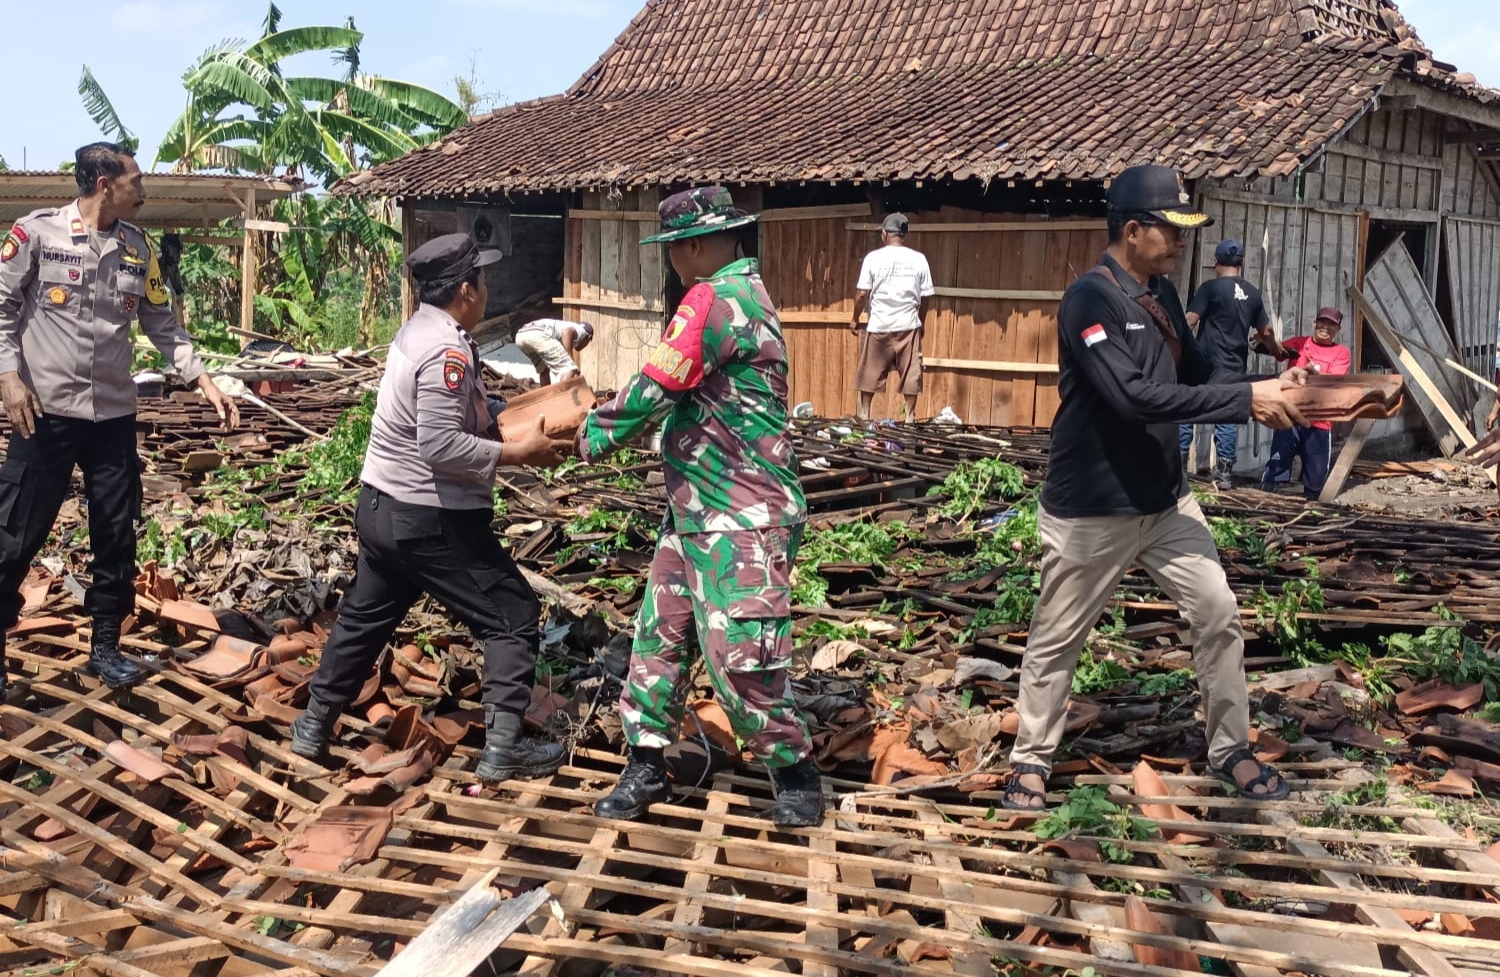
[(1262, 779), (1014, 786)]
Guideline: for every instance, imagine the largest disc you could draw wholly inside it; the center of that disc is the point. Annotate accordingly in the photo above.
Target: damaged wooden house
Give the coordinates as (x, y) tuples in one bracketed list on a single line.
[(1322, 133)]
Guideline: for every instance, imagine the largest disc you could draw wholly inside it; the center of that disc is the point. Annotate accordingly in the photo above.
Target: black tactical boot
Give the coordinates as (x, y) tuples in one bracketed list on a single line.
[(313, 730), (643, 783), (507, 754), (1224, 474), (105, 660), (799, 795)]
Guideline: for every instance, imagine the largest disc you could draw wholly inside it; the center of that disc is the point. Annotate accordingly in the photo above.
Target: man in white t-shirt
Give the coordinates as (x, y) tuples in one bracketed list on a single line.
[(893, 283), (550, 344)]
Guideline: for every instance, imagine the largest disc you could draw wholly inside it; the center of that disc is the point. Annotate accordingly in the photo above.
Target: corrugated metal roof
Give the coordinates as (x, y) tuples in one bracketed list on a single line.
[(172, 199)]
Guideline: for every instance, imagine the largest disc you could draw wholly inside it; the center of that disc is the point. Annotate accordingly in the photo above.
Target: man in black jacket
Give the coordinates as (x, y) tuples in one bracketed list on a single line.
[(1116, 495)]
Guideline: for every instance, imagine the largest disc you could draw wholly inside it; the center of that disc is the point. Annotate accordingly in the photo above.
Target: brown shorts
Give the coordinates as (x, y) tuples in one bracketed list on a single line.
[(890, 352)]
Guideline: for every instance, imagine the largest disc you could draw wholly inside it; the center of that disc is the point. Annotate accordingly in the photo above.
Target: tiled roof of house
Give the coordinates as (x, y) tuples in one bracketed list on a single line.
[(824, 90)]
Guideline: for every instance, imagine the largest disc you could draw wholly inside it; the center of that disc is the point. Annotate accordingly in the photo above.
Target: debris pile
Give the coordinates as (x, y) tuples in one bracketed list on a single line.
[(176, 815)]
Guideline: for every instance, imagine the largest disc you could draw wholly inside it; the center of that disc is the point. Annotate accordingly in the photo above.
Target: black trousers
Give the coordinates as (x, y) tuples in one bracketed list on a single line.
[(452, 554), (34, 482)]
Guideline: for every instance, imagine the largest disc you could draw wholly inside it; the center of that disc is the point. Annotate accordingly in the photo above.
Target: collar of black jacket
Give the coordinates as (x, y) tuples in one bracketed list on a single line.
[(1128, 283)]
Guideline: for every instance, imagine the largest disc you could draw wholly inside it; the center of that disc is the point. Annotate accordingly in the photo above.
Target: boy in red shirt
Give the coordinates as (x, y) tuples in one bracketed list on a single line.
[(1318, 353)]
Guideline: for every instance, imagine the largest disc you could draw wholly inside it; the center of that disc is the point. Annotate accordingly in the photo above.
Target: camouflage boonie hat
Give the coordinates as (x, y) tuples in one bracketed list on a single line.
[(702, 210)]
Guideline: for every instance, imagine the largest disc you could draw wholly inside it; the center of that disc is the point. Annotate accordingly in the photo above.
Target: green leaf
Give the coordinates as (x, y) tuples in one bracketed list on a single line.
[(432, 108), (102, 111), (277, 47)]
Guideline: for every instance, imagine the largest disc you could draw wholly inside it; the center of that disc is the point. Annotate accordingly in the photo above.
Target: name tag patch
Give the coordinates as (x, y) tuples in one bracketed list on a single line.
[(1093, 334), (57, 256), (1133, 326)]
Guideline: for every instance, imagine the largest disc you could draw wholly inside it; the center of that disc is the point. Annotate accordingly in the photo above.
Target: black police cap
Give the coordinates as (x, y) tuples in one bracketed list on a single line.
[(448, 259), (1158, 191)]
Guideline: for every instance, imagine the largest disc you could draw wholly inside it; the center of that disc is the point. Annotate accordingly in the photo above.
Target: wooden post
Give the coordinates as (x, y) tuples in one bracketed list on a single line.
[(408, 236), (249, 272), (1348, 456)]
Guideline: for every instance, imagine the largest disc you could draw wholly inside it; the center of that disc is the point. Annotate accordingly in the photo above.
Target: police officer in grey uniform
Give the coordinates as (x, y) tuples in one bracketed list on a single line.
[(425, 508), (72, 279)]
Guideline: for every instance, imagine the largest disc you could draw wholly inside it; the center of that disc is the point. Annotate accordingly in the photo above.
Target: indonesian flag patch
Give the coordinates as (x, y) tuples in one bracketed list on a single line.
[(1093, 334)]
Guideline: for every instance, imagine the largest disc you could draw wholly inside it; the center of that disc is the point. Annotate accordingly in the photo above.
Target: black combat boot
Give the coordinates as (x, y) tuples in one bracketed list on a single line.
[(313, 730), (105, 660), (1224, 474), (507, 754), (643, 783), (799, 795)]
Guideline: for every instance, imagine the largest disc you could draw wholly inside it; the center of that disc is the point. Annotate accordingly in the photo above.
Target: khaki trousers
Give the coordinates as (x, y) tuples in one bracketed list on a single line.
[(1082, 563)]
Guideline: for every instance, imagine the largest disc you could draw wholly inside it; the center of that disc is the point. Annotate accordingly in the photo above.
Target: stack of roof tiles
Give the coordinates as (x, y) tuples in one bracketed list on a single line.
[(827, 90)]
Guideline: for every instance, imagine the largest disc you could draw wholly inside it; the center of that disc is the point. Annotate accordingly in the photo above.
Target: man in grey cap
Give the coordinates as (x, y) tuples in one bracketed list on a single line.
[(894, 283), (425, 507)]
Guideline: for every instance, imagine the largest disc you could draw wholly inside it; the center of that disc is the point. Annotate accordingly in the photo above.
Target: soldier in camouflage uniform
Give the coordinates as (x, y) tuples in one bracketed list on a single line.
[(717, 386)]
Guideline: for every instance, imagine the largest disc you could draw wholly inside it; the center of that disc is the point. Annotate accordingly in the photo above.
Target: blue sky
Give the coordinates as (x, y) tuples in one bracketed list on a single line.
[(138, 49)]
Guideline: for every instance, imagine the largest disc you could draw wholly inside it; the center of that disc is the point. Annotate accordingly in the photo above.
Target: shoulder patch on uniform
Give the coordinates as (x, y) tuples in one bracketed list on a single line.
[(454, 369), (19, 233), (456, 354), (156, 290), (1093, 334), (677, 361), (9, 247)]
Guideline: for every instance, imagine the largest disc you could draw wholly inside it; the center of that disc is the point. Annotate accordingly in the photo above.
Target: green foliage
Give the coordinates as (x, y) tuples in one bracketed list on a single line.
[(1277, 614), (1013, 541), (333, 467), (1164, 683), (102, 111), (1371, 793), (1238, 534), (1489, 712), (850, 542), (1015, 601), (975, 485), (1445, 652), (832, 630), (1094, 674), (618, 528), (1089, 813)]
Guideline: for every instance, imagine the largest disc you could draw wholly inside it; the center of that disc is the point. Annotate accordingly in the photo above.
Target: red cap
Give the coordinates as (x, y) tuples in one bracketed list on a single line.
[(1332, 314)]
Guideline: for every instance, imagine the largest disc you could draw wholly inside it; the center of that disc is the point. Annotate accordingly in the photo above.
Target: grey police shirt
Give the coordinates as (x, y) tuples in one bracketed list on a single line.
[(429, 440), (67, 299)]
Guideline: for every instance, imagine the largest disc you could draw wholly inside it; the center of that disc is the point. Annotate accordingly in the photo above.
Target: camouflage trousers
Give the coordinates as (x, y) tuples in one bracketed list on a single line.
[(729, 595)]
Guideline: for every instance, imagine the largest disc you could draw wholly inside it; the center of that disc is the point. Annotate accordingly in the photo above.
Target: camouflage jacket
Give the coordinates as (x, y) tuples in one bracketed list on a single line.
[(717, 386)]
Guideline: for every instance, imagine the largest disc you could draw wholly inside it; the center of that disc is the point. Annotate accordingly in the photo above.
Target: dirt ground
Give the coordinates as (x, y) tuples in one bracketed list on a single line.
[(1441, 493)]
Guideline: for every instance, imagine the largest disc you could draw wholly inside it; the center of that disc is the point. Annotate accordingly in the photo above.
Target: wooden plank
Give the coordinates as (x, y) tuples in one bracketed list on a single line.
[(822, 868), (249, 269), (1420, 960), (1018, 294), (1348, 457), (981, 226), (813, 213), (625, 305), (1414, 370), (689, 912), (958, 920), (613, 215), (466, 933), (987, 366), (1386, 156)]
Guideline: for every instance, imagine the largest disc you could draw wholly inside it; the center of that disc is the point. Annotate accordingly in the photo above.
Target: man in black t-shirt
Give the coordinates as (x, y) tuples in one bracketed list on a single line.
[(1224, 311), (1130, 371)]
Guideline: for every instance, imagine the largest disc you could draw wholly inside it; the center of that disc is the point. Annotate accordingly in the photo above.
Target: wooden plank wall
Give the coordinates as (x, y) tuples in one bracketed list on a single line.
[(1472, 254), (615, 283), (811, 268)]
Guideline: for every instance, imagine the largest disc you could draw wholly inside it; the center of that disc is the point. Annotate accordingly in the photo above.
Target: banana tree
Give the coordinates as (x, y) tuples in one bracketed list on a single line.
[(102, 111)]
